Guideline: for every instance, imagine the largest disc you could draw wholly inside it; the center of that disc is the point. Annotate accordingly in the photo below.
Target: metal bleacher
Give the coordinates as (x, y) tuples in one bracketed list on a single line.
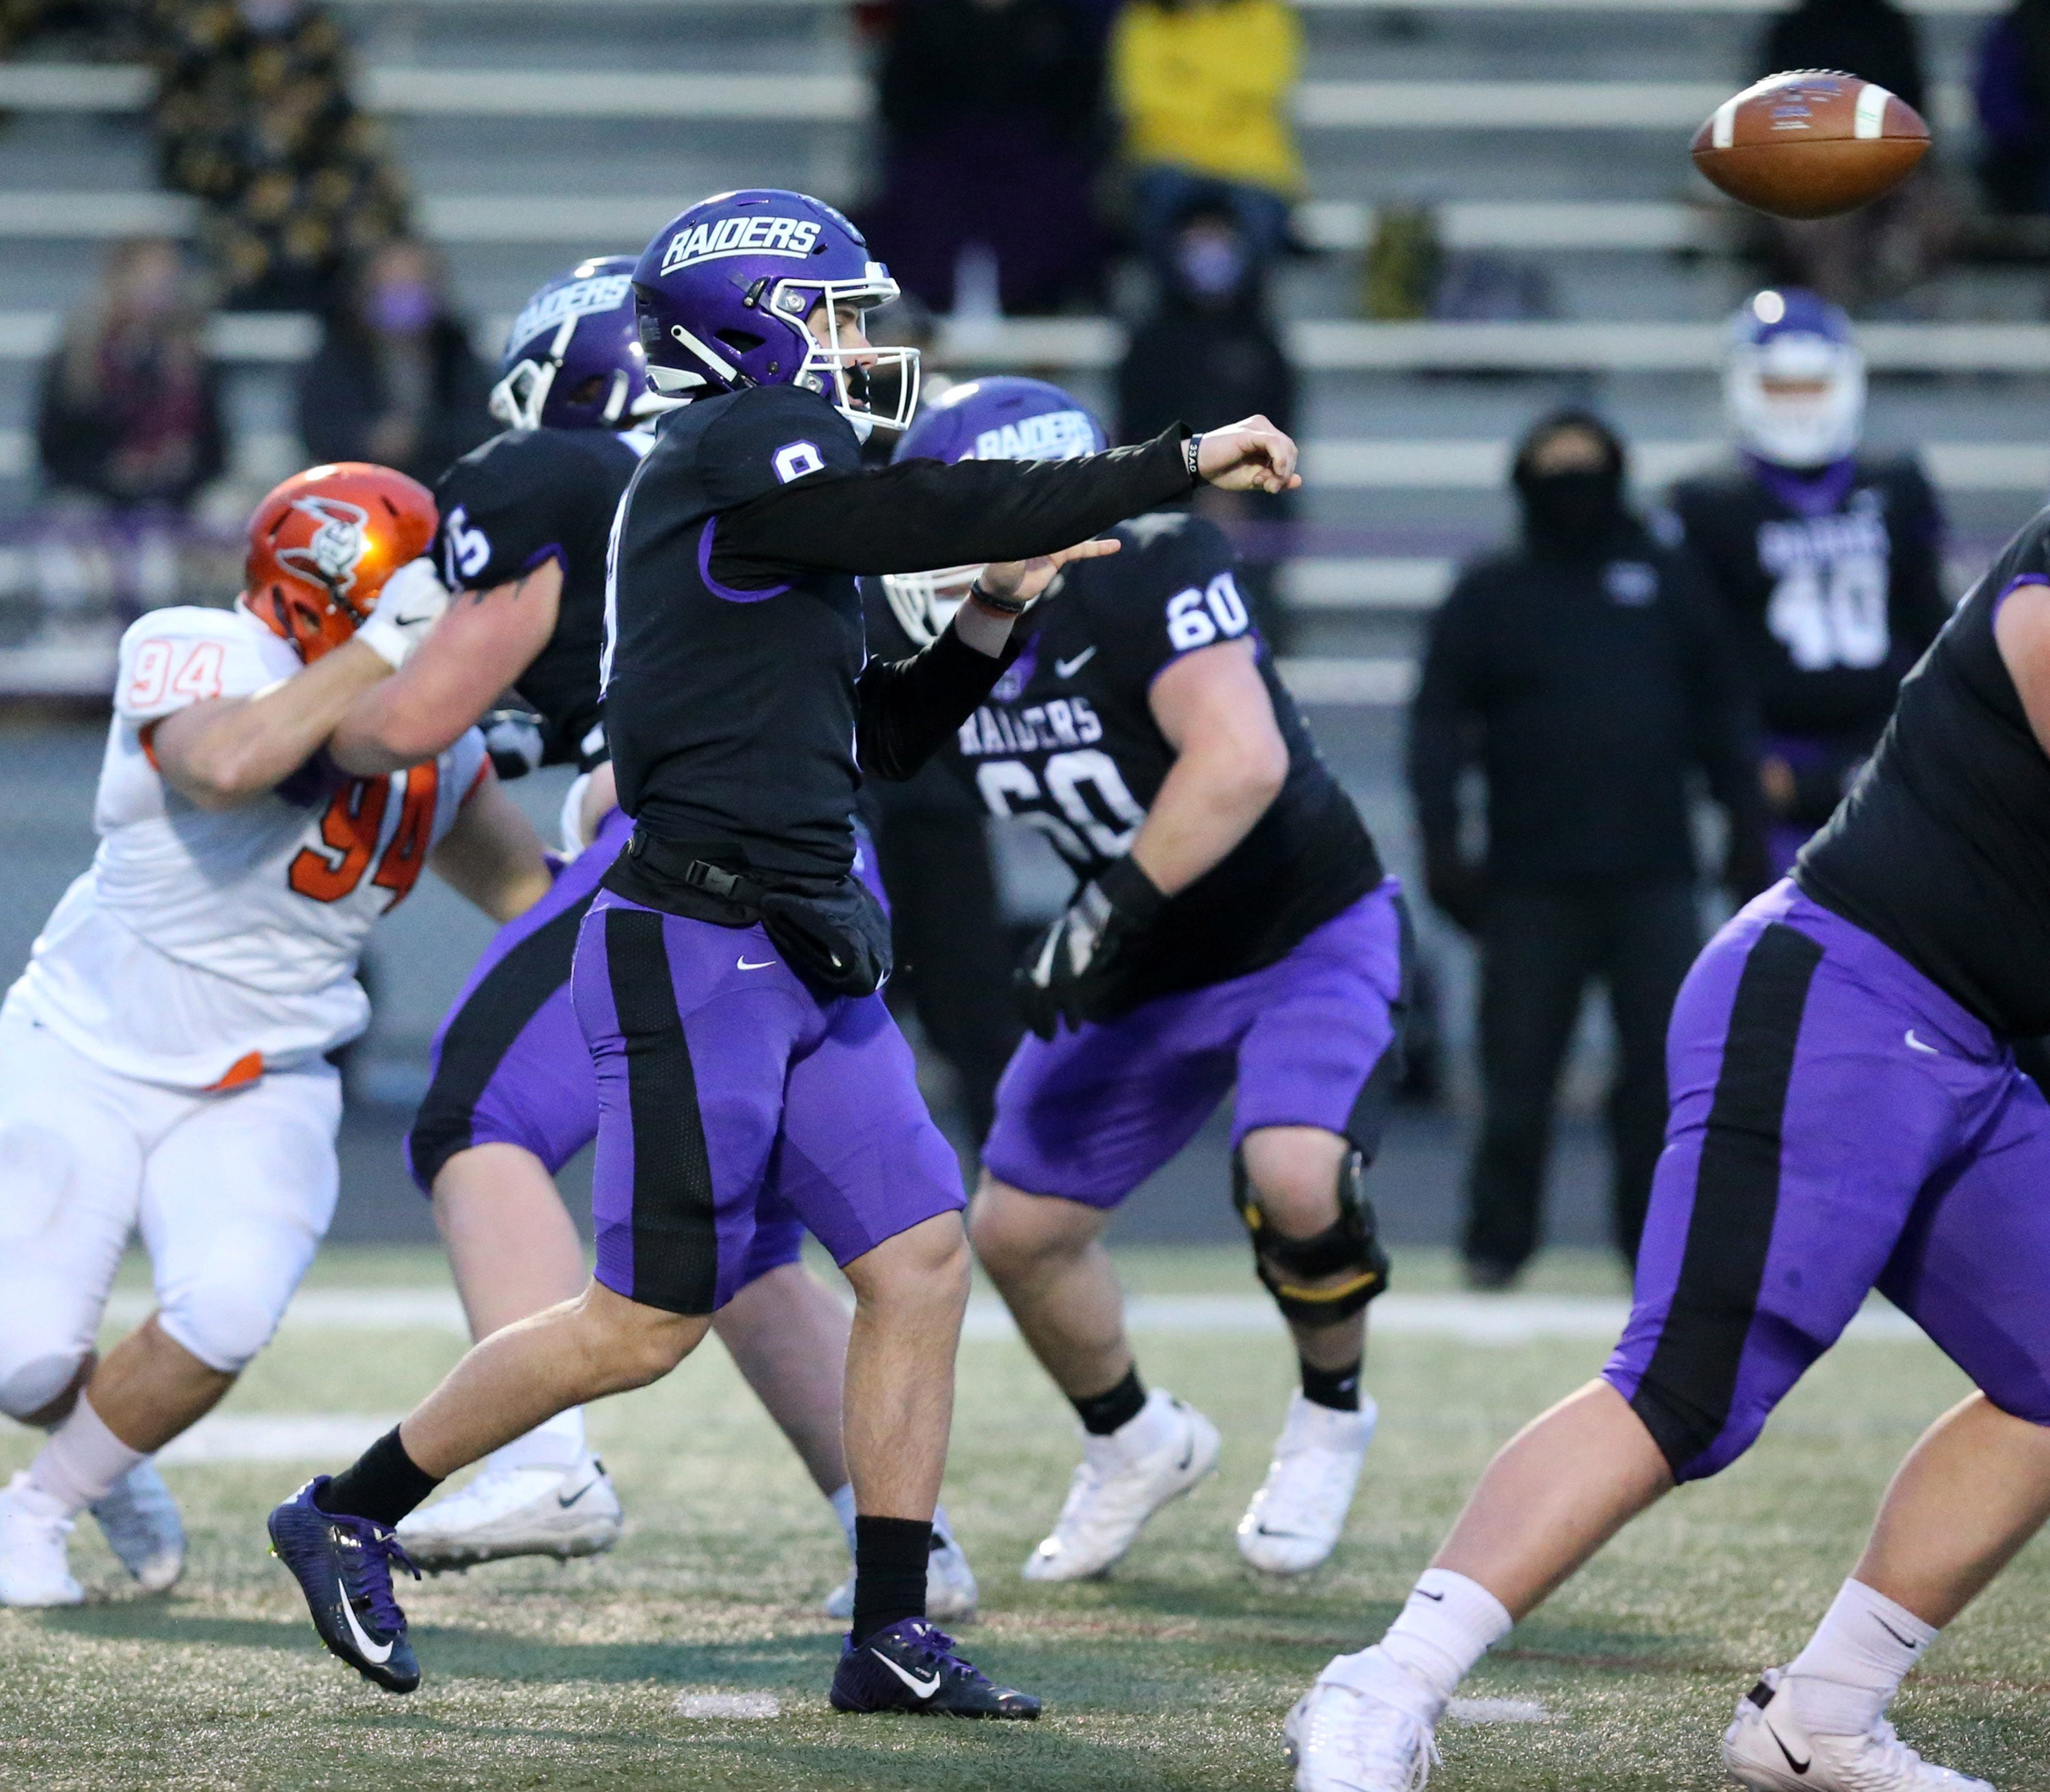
[(1552, 134)]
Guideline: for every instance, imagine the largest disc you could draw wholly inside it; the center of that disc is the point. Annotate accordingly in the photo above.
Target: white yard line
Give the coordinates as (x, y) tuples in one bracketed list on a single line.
[(277, 1437), (1486, 1319)]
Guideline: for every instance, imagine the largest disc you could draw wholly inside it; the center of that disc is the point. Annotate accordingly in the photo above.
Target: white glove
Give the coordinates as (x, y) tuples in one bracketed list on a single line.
[(410, 605)]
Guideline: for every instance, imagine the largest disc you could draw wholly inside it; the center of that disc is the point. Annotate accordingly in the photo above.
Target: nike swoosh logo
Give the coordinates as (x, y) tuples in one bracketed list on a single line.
[(378, 1652), (763, 966), (920, 1688), (565, 1504), (1798, 1766), (1067, 668), (1436, 1598), (1915, 1044), (1188, 1456), (1905, 1643)]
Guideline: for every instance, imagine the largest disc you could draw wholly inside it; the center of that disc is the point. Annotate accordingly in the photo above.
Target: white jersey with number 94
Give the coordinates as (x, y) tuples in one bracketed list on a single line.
[(206, 946)]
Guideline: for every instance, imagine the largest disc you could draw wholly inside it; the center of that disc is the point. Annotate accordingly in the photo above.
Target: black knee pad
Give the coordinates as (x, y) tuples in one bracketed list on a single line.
[(1351, 1247)]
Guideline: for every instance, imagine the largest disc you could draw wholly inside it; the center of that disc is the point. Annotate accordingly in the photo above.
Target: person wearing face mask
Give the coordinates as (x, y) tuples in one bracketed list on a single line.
[(1208, 354), (1584, 671), (1828, 563), (394, 380)]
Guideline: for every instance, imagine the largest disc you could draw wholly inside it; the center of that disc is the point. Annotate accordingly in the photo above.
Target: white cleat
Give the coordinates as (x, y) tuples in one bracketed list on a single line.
[(140, 1521), (536, 1510), (1768, 1748), (950, 1588), (1123, 1480), (1342, 1738), (35, 1563), (1295, 1520)]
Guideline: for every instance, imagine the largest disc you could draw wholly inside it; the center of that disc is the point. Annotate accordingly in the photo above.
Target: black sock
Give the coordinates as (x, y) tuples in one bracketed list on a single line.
[(1337, 1388), (889, 1556), (1102, 1414), (383, 1484)]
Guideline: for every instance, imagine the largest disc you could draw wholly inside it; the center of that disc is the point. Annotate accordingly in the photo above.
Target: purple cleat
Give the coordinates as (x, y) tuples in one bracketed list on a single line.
[(912, 1666), (343, 1565)]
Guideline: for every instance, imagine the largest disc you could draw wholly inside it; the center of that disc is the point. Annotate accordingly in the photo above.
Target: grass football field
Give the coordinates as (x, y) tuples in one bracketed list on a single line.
[(1175, 1673)]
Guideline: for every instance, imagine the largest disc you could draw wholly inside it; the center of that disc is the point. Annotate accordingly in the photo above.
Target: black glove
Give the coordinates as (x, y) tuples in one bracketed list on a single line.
[(1457, 886), (513, 738), (1071, 966)]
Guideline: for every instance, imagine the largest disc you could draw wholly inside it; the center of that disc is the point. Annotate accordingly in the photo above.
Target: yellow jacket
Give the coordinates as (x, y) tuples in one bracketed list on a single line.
[(1207, 88)]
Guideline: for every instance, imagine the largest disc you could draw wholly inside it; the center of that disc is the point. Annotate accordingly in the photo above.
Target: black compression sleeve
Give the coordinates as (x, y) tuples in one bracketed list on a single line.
[(919, 515), (905, 709)]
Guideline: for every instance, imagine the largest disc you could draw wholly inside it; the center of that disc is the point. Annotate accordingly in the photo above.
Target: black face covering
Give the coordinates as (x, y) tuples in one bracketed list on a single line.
[(1570, 514)]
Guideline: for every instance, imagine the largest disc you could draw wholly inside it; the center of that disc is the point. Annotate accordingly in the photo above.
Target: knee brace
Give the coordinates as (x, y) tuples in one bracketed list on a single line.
[(1349, 1247)]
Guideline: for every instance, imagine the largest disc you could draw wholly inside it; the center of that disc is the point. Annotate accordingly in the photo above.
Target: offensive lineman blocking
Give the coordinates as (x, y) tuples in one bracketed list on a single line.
[(1232, 923), (1847, 1114)]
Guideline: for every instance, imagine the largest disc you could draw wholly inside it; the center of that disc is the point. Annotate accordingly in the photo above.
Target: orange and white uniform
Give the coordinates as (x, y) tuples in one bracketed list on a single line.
[(162, 1059)]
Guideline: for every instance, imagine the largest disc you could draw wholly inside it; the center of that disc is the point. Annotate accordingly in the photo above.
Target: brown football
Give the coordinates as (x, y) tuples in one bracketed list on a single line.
[(1810, 144)]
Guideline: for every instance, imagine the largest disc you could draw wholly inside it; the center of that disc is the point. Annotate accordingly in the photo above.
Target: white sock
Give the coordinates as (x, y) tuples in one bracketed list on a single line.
[(556, 1442), (1841, 1682), (842, 1501), (843, 1504), (1449, 1623), (82, 1460)]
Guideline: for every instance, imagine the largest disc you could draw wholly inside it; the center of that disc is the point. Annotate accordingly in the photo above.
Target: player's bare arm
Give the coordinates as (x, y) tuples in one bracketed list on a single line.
[(493, 855), (484, 640), (1229, 764), (2021, 630), (232, 749)]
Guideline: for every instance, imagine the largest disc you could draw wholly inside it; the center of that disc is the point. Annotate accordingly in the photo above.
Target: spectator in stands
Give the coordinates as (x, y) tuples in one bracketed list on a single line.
[(395, 381), (1203, 88), (992, 139), (254, 117), (1207, 356), (1882, 249), (128, 412), (1585, 672), (2012, 87)]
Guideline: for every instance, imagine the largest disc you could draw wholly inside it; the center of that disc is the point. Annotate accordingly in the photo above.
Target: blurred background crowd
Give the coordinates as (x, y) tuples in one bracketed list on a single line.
[(244, 234)]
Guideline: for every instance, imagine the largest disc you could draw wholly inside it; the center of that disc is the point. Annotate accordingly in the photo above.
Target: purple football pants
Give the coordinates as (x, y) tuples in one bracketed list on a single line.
[(728, 1087), (1310, 1040), (1838, 1124), (510, 1065)]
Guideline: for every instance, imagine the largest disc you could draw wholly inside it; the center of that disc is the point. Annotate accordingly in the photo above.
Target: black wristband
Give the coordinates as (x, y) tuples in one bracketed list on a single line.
[(1128, 890), (1191, 453), (1003, 606)]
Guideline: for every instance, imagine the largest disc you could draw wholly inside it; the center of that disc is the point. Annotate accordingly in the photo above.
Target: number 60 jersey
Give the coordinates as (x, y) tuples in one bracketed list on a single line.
[(206, 946), (1067, 742)]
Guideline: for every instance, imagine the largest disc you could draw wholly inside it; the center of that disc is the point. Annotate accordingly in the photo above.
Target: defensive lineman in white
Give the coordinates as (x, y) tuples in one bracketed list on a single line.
[(163, 1059)]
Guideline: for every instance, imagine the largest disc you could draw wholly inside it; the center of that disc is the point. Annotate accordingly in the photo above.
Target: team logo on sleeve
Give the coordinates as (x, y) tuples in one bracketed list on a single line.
[(337, 546), (760, 235)]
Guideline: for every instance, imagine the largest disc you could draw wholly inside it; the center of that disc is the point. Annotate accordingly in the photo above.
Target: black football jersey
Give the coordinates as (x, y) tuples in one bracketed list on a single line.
[(523, 498), (1828, 611), (1943, 847), (732, 712), (1067, 743)]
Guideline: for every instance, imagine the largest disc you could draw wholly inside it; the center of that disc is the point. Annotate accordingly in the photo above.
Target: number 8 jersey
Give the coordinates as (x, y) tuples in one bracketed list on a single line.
[(204, 946), (1067, 743)]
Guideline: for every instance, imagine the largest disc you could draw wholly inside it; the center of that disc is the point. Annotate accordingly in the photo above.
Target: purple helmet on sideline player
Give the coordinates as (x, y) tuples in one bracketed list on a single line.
[(725, 291), (1005, 419), (573, 360), (1794, 380)]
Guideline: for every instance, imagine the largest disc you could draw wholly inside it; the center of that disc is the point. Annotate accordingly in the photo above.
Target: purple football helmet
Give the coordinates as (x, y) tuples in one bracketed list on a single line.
[(574, 360), (1794, 380), (1005, 419), (726, 289)]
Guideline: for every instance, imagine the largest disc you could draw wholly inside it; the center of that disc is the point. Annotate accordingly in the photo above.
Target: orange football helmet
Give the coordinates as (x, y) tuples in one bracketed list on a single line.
[(323, 544)]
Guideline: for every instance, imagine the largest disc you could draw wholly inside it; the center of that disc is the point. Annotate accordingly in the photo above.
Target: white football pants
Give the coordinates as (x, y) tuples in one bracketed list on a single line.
[(232, 1193)]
